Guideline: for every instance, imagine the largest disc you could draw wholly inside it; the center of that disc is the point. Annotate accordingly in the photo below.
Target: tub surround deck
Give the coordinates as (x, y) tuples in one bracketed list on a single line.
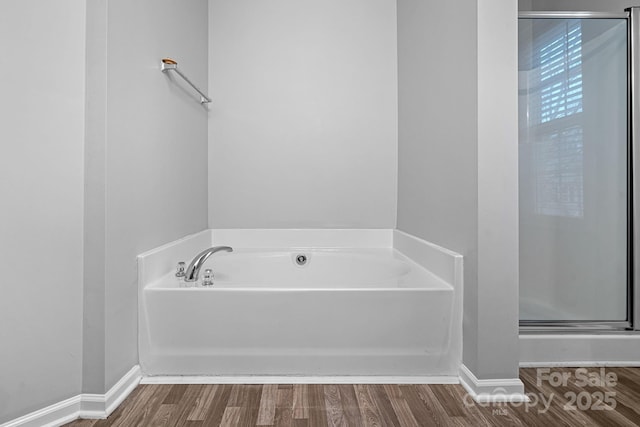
[(329, 269)]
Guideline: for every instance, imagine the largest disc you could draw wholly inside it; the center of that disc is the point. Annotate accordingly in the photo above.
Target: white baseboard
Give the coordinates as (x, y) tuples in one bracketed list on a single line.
[(102, 405), (581, 364), (94, 406), (294, 379), (51, 416), (494, 390)]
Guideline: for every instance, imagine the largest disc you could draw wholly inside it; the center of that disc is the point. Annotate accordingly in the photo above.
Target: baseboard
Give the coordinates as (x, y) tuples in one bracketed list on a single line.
[(494, 390), (51, 416), (94, 406), (581, 364), (293, 379), (102, 405)]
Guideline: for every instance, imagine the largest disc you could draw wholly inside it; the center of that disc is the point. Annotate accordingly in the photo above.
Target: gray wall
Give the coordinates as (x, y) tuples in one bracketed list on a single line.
[(303, 131), (148, 141), (496, 300), (93, 379), (42, 110), (437, 131), (457, 159), (82, 199)]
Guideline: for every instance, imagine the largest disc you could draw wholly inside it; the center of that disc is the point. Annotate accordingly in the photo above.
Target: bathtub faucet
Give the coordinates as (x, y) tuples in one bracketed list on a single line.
[(194, 268)]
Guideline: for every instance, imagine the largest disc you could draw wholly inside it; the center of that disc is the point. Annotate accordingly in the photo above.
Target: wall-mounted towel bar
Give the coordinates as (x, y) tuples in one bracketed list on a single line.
[(168, 64)]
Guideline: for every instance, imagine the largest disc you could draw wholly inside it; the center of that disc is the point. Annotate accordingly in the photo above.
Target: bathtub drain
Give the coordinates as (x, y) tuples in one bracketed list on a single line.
[(301, 259)]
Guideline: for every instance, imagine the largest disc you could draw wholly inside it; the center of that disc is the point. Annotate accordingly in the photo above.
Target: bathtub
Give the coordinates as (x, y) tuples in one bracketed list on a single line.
[(344, 311)]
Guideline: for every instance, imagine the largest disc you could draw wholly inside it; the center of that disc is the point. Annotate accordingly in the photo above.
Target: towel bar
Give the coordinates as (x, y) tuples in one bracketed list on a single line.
[(168, 64)]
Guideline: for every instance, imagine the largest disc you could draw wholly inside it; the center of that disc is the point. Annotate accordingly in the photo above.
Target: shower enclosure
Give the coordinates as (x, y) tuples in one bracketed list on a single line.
[(576, 147)]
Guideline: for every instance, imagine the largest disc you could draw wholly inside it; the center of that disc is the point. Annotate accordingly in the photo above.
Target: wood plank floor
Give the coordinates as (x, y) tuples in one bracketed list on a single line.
[(612, 399)]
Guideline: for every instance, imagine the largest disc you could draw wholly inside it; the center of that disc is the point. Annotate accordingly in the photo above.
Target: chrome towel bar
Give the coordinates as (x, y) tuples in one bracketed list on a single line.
[(168, 64)]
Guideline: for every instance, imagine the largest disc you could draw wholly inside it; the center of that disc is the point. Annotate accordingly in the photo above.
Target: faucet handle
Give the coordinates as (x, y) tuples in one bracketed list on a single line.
[(207, 279), (180, 269)]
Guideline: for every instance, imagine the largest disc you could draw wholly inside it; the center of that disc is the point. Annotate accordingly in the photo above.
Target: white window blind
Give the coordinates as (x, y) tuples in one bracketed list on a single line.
[(560, 62), (556, 110)]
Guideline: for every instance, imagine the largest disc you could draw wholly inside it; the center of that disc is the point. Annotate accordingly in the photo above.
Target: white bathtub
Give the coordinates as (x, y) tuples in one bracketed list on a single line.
[(367, 311)]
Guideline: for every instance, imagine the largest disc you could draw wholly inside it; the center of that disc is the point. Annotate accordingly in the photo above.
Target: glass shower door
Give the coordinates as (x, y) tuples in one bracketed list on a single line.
[(573, 171)]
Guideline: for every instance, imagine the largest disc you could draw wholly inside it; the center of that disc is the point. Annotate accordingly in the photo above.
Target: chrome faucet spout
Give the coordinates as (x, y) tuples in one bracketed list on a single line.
[(194, 268)]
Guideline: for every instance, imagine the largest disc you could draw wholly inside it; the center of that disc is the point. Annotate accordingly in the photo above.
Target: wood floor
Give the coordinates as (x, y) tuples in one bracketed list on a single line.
[(612, 399)]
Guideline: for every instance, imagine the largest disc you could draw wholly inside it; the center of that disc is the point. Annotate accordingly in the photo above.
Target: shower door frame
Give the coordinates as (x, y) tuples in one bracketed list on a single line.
[(632, 16)]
